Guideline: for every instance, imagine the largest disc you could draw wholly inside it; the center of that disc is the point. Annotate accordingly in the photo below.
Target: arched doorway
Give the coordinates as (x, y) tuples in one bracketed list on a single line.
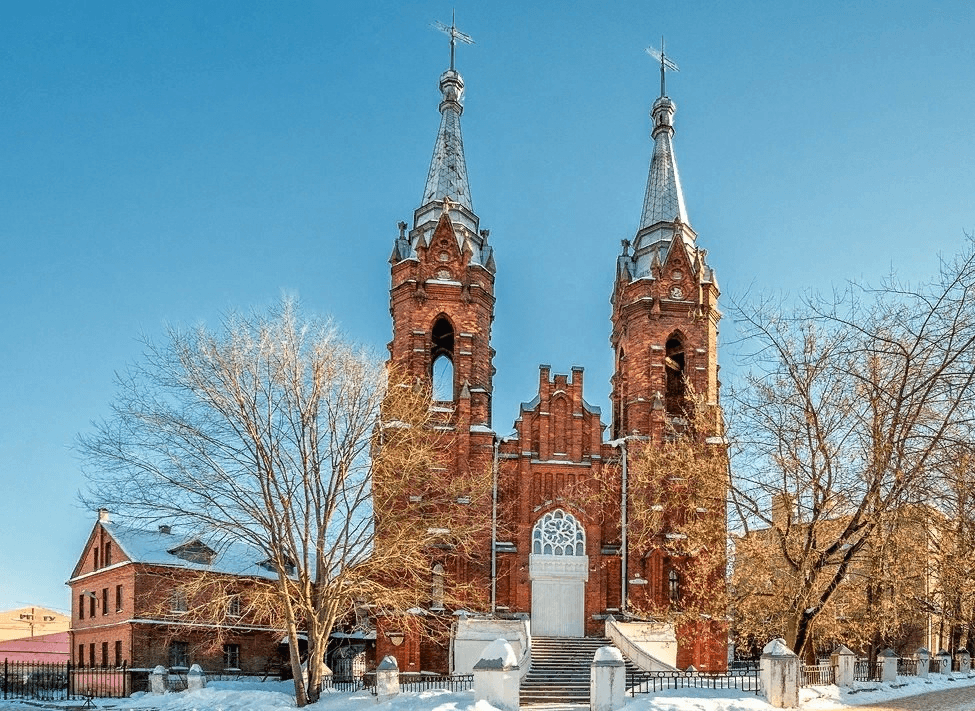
[(559, 569)]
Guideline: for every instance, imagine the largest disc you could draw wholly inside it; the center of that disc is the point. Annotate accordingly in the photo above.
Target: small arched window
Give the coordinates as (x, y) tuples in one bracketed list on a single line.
[(437, 588), (673, 586)]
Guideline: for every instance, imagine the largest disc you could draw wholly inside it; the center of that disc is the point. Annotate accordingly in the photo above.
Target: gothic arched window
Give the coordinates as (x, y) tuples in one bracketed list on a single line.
[(674, 364), (436, 593), (442, 361), (558, 533)]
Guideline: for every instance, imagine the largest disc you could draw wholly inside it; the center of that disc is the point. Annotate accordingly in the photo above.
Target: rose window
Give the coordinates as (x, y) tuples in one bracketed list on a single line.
[(558, 533)]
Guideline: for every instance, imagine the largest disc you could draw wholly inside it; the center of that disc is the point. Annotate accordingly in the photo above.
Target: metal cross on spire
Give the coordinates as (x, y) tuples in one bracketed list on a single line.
[(455, 35), (665, 64)]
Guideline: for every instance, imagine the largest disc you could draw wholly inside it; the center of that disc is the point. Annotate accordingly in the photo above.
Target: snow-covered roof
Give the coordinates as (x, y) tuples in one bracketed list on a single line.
[(165, 546)]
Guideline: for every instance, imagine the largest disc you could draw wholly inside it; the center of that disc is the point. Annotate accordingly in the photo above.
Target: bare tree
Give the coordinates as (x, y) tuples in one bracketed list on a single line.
[(274, 432), (848, 406)]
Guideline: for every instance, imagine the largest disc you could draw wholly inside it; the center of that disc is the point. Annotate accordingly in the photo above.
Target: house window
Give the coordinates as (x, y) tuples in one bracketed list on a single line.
[(91, 654), (441, 357), (96, 560), (177, 601), (673, 586), (81, 607), (231, 656), (233, 607), (179, 655), (558, 533), (104, 654), (81, 655), (108, 553), (437, 592), (118, 652), (92, 599), (104, 601), (118, 598)]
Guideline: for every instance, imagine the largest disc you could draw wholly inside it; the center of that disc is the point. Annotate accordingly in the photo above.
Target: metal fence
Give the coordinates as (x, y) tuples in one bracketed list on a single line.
[(62, 681), (865, 671), (646, 682), (906, 667), (450, 682), (816, 674)]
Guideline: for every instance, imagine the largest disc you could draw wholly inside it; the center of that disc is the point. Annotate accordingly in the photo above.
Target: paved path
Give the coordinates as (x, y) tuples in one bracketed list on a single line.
[(961, 699)]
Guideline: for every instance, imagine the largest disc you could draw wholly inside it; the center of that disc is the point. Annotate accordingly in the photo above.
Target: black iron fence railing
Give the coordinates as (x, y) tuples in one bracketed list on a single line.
[(647, 682), (61, 681), (906, 667), (450, 682)]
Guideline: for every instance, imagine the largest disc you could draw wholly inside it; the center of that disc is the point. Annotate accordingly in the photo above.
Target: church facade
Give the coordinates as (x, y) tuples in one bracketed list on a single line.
[(559, 552)]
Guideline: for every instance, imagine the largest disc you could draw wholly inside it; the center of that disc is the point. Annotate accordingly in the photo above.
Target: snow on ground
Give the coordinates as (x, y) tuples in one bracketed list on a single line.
[(279, 696)]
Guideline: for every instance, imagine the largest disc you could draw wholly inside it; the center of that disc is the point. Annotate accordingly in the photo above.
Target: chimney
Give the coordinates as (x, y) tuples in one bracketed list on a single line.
[(104, 516), (783, 511), (164, 528)]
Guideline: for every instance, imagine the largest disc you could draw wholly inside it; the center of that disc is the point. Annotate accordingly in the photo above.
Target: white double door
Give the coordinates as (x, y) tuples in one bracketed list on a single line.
[(558, 594)]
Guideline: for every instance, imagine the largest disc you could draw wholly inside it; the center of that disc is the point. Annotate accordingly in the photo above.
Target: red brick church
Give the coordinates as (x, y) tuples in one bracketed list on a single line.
[(565, 565)]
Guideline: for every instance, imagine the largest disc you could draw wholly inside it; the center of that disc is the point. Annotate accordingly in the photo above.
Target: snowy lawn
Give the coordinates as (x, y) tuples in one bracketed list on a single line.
[(274, 696)]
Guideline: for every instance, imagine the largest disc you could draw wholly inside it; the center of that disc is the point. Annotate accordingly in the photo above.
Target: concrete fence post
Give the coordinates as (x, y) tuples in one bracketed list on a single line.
[(944, 662), (607, 680), (195, 678), (779, 672), (844, 666), (964, 661), (497, 676), (387, 679), (888, 669), (157, 680), (923, 661)]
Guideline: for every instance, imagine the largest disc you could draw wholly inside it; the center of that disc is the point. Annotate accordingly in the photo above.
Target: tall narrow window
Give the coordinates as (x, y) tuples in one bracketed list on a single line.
[(81, 607), (676, 380), (81, 655), (177, 601), (91, 654), (437, 593), (104, 654), (231, 656), (118, 652), (118, 598), (233, 606), (91, 606), (442, 360), (107, 558), (673, 586), (96, 559), (104, 601)]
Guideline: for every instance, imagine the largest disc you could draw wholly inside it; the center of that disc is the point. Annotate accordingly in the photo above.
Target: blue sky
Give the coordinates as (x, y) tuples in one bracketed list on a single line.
[(165, 162)]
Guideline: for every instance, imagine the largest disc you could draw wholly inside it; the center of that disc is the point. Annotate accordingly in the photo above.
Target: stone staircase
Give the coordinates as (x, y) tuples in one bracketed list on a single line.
[(559, 673)]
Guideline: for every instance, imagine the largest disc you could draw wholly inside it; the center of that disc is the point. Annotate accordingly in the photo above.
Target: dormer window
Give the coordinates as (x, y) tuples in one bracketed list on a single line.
[(196, 551), (268, 564)]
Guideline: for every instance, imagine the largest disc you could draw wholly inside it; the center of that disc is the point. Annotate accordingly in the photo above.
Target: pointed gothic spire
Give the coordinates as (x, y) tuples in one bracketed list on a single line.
[(448, 168), (664, 200)]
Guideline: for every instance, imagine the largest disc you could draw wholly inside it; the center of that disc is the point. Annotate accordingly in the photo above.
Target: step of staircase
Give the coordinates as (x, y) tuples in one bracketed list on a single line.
[(559, 673)]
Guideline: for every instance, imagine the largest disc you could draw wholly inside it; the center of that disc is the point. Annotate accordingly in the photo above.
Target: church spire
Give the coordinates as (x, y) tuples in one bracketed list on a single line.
[(664, 200), (447, 177)]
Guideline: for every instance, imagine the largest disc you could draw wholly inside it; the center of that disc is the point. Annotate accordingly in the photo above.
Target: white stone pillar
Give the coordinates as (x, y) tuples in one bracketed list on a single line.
[(195, 678), (607, 680), (923, 661), (780, 674), (497, 677), (387, 679), (157, 680), (944, 662), (964, 661), (844, 666), (888, 669)]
